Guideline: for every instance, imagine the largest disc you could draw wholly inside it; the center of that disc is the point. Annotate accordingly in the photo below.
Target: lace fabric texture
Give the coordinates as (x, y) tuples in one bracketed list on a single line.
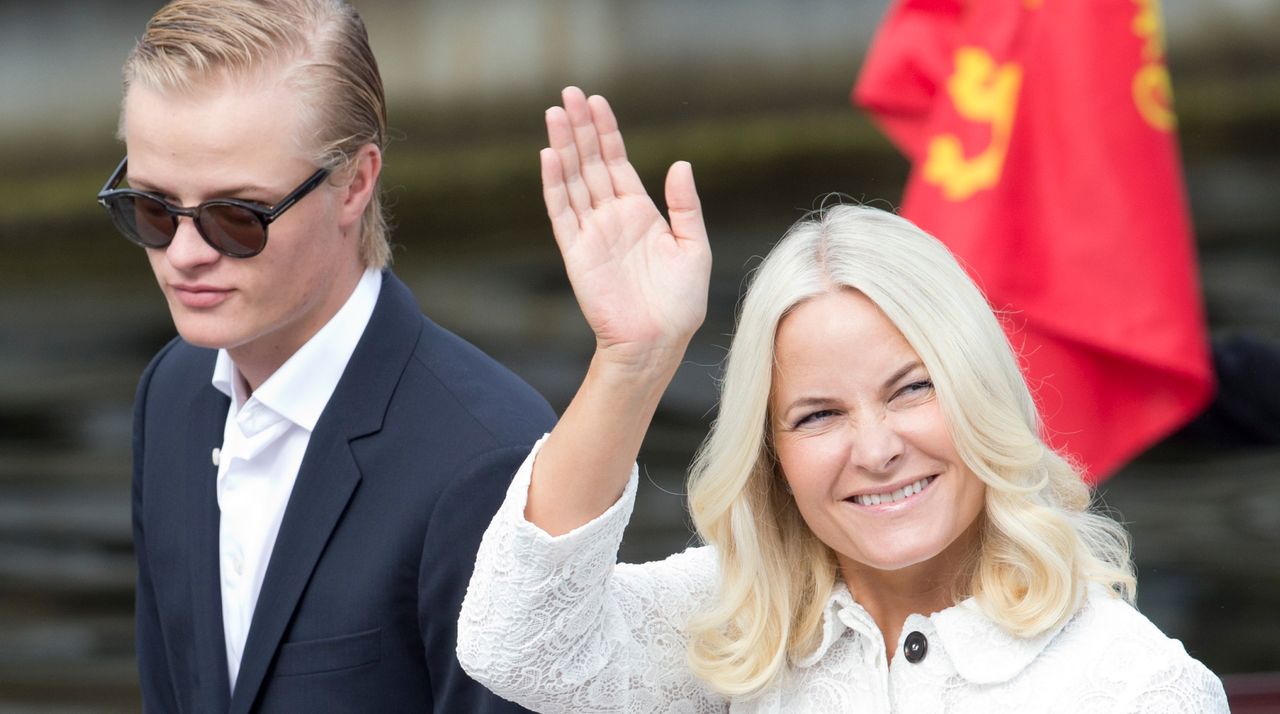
[(556, 626)]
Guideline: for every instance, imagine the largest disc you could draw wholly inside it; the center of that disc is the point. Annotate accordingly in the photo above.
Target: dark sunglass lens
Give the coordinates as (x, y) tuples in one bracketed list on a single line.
[(233, 230), (143, 220)]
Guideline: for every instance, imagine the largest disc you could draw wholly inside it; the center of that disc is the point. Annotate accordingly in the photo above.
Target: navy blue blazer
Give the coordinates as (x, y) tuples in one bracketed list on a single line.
[(359, 606)]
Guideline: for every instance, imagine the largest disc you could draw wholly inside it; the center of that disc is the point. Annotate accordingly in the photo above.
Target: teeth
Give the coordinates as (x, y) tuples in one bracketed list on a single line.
[(875, 499)]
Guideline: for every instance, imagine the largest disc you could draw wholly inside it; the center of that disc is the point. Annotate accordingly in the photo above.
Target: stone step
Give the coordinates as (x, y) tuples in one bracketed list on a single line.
[(1214, 513), (102, 685), (66, 569), (61, 514)]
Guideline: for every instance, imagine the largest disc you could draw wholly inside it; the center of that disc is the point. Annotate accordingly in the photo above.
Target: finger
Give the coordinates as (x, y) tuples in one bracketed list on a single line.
[(684, 209), (560, 138), (592, 168), (612, 151), (564, 222)]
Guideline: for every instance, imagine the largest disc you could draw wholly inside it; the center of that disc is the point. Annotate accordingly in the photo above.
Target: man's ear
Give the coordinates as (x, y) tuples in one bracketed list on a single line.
[(365, 167)]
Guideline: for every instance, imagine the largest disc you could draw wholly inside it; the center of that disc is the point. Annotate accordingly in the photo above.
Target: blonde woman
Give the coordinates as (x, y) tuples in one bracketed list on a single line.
[(884, 528)]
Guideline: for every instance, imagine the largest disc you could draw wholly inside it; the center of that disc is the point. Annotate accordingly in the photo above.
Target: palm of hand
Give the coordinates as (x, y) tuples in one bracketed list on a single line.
[(640, 281), (638, 285)]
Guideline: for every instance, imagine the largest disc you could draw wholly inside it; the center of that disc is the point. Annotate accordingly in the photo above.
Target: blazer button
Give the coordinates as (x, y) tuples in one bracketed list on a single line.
[(915, 647)]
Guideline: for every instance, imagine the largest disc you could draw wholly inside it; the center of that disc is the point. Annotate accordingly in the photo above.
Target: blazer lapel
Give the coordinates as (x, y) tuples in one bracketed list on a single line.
[(200, 476), (325, 483), (328, 477)]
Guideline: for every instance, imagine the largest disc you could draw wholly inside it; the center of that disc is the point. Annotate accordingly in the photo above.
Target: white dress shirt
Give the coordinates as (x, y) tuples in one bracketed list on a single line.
[(556, 625), (263, 443)]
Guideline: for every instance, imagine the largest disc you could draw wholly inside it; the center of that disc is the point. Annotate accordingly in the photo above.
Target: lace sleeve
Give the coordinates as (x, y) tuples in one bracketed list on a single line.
[(1181, 686), (554, 625), (1131, 667)]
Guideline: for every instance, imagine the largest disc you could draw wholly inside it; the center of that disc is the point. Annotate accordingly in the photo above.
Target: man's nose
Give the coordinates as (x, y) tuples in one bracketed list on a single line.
[(188, 249)]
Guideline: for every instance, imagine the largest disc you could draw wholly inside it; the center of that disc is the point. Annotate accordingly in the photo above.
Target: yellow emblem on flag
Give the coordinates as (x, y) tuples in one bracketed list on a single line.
[(1152, 90), (983, 92)]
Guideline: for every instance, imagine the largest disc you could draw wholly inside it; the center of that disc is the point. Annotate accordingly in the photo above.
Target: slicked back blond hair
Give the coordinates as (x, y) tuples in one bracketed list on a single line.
[(1040, 544), (321, 46)]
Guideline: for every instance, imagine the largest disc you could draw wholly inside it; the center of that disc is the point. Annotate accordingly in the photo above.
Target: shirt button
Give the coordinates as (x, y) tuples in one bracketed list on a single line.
[(915, 647), (237, 563)]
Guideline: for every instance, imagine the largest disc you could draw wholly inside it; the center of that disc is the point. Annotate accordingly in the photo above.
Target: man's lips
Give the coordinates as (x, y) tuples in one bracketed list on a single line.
[(200, 296)]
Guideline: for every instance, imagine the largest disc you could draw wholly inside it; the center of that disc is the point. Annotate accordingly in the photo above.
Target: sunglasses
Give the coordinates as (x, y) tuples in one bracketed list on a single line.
[(230, 226)]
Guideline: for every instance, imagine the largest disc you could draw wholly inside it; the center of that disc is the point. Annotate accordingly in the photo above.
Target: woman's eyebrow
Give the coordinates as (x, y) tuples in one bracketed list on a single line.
[(903, 371), (809, 402)]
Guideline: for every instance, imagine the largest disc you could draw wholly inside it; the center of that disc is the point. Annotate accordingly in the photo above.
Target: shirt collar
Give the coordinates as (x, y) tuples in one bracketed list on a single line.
[(301, 387), (982, 651), (842, 613)]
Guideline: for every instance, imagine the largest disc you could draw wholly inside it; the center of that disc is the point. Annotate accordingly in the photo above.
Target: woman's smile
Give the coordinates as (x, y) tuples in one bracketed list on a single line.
[(893, 496)]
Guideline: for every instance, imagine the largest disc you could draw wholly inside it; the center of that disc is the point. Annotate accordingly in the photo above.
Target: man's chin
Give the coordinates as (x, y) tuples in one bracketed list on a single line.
[(209, 336)]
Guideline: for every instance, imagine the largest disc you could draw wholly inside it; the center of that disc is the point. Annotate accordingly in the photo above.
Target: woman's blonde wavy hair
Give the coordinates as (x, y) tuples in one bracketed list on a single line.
[(1039, 545), (323, 48)]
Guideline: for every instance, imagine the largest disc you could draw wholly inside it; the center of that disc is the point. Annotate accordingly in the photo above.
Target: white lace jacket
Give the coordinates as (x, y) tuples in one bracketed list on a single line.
[(555, 625)]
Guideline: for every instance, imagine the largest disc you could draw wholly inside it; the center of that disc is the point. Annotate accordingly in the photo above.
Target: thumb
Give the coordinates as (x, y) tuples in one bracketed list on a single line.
[(683, 207)]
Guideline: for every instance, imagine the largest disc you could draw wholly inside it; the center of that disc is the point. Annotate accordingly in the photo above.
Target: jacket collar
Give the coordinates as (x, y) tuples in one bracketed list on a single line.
[(300, 388), (328, 476), (981, 651)]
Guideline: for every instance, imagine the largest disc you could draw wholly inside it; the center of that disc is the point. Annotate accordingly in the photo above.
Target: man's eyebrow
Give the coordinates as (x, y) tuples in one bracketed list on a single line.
[(142, 184), (230, 192), (249, 188)]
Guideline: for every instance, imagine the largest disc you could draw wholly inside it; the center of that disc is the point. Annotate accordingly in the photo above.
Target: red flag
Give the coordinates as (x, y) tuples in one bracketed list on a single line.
[(1041, 138)]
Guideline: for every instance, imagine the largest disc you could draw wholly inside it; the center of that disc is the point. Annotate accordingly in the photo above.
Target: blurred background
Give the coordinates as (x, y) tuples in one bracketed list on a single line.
[(753, 92)]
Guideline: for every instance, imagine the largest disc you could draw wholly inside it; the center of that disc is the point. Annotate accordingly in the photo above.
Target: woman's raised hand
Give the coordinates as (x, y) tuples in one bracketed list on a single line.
[(640, 281)]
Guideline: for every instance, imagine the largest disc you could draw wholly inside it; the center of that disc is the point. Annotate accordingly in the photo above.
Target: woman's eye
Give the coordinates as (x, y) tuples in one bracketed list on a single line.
[(923, 386), (815, 417)]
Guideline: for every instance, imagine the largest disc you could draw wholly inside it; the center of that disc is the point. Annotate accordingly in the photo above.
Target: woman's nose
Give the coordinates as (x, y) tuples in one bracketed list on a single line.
[(877, 446)]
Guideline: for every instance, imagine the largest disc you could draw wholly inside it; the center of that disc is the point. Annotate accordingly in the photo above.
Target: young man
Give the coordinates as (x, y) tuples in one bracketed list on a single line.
[(314, 461)]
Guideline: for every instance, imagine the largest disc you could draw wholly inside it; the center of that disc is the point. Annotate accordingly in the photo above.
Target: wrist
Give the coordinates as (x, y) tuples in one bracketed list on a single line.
[(654, 364)]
